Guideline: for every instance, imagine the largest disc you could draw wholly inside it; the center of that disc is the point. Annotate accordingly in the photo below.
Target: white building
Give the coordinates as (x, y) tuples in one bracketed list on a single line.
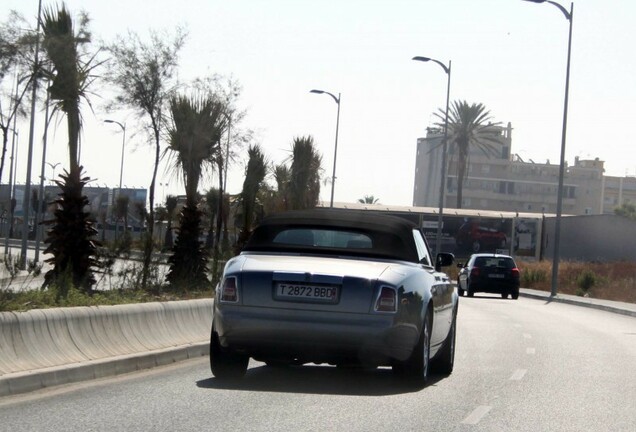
[(502, 181)]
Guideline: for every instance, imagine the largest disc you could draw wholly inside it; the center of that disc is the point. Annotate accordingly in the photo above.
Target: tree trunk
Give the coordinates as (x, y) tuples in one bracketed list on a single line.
[(148, 241)]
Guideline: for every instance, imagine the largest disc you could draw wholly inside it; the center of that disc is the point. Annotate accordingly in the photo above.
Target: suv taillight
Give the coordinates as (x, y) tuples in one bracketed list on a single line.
[(387, 300), (474, 272), (229, 291), (515, 272)]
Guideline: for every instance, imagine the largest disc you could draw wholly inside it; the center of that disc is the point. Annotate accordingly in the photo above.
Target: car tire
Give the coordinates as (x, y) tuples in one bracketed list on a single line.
[(460, 291), (444, 361), (223, 364), (515, 294), (416, 368), (504, 295), (470, 292)]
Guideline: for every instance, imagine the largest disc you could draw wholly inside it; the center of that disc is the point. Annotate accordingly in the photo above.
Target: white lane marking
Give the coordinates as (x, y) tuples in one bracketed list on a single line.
[(477, 414), (519, 374), (527, 336), (531, 351)]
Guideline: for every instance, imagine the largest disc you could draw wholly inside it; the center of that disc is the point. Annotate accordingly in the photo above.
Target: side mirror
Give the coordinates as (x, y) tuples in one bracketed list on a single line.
[(460, 265), (443, 259)]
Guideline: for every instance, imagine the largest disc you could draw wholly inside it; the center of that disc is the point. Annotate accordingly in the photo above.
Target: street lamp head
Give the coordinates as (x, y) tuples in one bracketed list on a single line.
[(568, 15), (122, 126), (427, 59), (335, 98)]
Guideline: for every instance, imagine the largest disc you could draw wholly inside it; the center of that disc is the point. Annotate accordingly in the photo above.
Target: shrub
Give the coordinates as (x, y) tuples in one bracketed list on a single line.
[(531, 277), (585, 281)]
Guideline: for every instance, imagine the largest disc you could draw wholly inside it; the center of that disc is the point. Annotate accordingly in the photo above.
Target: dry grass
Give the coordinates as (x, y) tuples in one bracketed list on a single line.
[(609, 281)]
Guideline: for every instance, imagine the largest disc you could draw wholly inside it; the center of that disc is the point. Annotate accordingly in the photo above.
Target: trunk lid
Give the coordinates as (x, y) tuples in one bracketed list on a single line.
[(310, 282)]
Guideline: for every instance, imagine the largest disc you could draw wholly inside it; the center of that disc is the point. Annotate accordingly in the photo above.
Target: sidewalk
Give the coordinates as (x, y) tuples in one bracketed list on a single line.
[(606, 305)]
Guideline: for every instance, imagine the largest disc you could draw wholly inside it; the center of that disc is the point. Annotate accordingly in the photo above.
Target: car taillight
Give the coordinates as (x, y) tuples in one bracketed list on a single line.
[(515, 272), (474, 272), (387, 300), (229, 292)]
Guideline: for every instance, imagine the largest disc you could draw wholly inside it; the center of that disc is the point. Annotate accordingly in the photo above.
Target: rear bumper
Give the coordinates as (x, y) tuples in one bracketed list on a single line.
[(494, 287), (311, 336)]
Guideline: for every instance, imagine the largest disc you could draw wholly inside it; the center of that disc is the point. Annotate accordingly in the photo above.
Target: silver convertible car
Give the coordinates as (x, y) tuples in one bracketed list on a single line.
[(339, 287)]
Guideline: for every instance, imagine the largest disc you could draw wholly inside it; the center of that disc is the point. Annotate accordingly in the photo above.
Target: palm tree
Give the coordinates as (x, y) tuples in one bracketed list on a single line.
[(282, 176), (145, 76), (194, 142), (304, 184), (171, 206), (212, 201), (368, 199), (254, 177), (469, 125), (70, 76)]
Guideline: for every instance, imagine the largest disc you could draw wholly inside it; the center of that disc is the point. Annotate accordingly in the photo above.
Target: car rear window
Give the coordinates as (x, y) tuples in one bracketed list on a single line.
[(505, 263), (323, 238)]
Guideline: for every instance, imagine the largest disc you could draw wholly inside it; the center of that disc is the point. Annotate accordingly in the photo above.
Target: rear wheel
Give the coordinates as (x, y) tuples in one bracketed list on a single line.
[(223, 364), (460, 291), (504, 295), (416, 368), (469, 292), (445, 359), (515, 294)]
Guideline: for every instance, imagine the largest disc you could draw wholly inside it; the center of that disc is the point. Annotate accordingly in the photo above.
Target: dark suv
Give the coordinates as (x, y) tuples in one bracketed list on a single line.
[(490, 273)]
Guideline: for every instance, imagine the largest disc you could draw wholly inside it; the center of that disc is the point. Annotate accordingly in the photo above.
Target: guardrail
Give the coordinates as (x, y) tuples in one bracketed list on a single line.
[(41, 348)]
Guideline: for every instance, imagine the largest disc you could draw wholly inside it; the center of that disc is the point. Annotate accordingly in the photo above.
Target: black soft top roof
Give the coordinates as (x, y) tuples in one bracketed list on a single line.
[(392, 236)]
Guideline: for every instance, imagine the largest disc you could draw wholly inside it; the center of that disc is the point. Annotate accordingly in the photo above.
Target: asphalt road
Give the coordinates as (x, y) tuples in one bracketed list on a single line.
[(523, 365)]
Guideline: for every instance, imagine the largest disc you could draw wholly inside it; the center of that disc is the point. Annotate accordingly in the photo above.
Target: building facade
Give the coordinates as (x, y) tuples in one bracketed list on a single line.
[(501, 180)]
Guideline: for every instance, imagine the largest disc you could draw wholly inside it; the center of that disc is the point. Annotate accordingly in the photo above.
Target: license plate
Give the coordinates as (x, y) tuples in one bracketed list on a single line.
[(305, 292), (496, 275)]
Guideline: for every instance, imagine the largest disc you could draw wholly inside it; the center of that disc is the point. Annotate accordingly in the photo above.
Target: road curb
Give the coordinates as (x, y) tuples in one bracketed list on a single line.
[(605, 305), (28, 381), (48, 347)]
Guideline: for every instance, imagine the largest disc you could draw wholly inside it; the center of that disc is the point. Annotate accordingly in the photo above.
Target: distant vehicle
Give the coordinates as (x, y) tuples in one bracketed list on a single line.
[(478, 238), (490, 273), (339, 287)]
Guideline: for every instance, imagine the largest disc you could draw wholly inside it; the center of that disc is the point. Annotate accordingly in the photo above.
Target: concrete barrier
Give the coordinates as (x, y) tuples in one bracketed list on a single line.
[(41, 348)]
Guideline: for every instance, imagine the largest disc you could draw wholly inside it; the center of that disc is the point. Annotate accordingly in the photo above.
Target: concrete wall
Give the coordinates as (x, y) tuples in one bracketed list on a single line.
[(592, 238), (46, 347)]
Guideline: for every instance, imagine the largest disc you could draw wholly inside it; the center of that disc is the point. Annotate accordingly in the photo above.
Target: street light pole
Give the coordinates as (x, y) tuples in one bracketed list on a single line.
[(11, 192), (39, 210), (335, 151), (53, 166), (27, 183), (442, 186), (123, 144), (557, 228)]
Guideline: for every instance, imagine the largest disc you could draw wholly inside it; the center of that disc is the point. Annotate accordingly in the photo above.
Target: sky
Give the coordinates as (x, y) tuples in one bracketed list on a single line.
[(509, 55)]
